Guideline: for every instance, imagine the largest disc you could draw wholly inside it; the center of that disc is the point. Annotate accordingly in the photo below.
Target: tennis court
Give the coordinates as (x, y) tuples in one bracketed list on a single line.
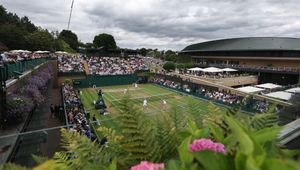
[(154, 95)]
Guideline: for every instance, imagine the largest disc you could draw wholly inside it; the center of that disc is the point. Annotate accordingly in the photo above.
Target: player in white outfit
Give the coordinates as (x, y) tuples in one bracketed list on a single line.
[(164, 104), (145, 103)]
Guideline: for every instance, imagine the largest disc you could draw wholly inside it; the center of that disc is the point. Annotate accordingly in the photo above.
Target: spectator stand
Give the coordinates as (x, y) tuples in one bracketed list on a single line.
[(78, 119), (208, 93)]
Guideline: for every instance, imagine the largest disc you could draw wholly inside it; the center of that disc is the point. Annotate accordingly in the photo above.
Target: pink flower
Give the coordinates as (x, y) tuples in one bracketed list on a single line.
[(206, 144), (144, 165)]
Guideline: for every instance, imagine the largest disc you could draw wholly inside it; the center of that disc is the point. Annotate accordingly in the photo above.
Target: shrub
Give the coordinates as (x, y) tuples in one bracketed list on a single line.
[(169, 66)]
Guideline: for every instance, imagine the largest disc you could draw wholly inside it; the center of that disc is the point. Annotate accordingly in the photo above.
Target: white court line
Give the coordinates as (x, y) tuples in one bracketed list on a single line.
[(164, 94), (176, 101)]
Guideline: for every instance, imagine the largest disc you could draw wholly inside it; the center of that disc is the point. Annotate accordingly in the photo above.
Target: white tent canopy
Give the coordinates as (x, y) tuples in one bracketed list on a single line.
[(280, 95), (61, 52), (41, 52), (229, 69), (293, 90), (195, 69), (20, 51), (250, 89), (212, 70), (268, 86)]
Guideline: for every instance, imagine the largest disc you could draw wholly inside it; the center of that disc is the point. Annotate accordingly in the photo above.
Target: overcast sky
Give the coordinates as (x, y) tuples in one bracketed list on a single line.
[(164, 24)]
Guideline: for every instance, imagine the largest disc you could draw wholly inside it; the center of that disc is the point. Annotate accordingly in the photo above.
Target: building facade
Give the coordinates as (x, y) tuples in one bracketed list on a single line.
[(274, 59)]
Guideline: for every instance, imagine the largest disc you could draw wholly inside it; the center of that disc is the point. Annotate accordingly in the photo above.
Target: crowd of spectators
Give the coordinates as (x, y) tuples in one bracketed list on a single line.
[(215, 95), (70, 63), (115, 65), (7, 57), (261, 106), (167, 83), (220, 96), (218, 75), (75, 112)]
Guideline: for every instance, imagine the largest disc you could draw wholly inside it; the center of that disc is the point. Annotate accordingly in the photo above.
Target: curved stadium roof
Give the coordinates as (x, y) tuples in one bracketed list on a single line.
[(247, 44)]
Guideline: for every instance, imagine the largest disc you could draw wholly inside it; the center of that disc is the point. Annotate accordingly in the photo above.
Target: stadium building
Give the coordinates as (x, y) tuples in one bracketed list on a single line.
[(274, 59)]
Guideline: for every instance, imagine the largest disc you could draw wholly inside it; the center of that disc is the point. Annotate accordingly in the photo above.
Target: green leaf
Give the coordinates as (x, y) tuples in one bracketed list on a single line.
[(267, 134), (113, 165), (240, 161), (213, 161), (246, 145), (278, 164), (184, 154)]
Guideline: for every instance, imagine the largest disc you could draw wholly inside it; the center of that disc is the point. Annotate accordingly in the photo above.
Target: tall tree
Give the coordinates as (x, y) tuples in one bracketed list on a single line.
[(12, 36), (105, 41), (40, 40), (70, 38)]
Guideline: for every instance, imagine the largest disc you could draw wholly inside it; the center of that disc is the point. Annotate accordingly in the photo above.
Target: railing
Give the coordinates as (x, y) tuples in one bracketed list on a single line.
[(11, 69), (65, 111), (72, 73)]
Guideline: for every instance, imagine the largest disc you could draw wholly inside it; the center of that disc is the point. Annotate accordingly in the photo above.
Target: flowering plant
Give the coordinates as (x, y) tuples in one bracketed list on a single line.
[(144, 165), (33, 93), (206, 144), (17, 106)]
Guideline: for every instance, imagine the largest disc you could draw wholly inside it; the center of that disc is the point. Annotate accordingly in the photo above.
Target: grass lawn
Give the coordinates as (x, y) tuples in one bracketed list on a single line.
[(154, 94)]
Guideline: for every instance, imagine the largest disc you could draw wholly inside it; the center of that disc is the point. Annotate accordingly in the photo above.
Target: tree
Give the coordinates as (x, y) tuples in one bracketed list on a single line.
[(89, 45), (183, 58), (12, 36), (40, 40), (170, 56), (70, 38), (169, 66), (3, 47), (143, 51), (105, 41), (27, 25)]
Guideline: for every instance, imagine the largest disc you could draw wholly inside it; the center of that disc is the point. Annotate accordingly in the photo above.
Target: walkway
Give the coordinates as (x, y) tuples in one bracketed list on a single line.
[(41, 143)]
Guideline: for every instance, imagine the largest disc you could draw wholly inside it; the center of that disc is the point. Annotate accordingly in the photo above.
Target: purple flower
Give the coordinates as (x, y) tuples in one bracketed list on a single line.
[(32, 92), (206, 144)]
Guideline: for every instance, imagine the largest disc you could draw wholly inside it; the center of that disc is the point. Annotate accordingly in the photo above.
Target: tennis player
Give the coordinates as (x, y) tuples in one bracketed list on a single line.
[(145, 103)]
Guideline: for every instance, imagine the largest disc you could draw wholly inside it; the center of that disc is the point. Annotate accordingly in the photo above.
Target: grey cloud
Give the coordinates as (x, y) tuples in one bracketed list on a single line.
[(164, 23)]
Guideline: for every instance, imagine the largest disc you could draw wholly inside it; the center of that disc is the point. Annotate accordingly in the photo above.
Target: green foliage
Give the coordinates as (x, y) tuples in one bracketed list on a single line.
[(250, 142), (183, 58), (39, 159), (186, 65), (139, 135), (170, 56), (70, 38), (40, 40), (167, 137), (80, 152), (143, 51), (13, 36), (13, 29), (105, 41), (63, 46), (261, 121), (10, 166), (169, 66)]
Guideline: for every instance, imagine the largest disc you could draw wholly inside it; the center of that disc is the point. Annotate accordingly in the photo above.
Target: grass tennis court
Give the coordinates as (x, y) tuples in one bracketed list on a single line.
[(153, 93)]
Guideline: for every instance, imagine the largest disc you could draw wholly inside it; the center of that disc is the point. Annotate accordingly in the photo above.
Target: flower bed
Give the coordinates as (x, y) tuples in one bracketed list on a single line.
[(29, 96)]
